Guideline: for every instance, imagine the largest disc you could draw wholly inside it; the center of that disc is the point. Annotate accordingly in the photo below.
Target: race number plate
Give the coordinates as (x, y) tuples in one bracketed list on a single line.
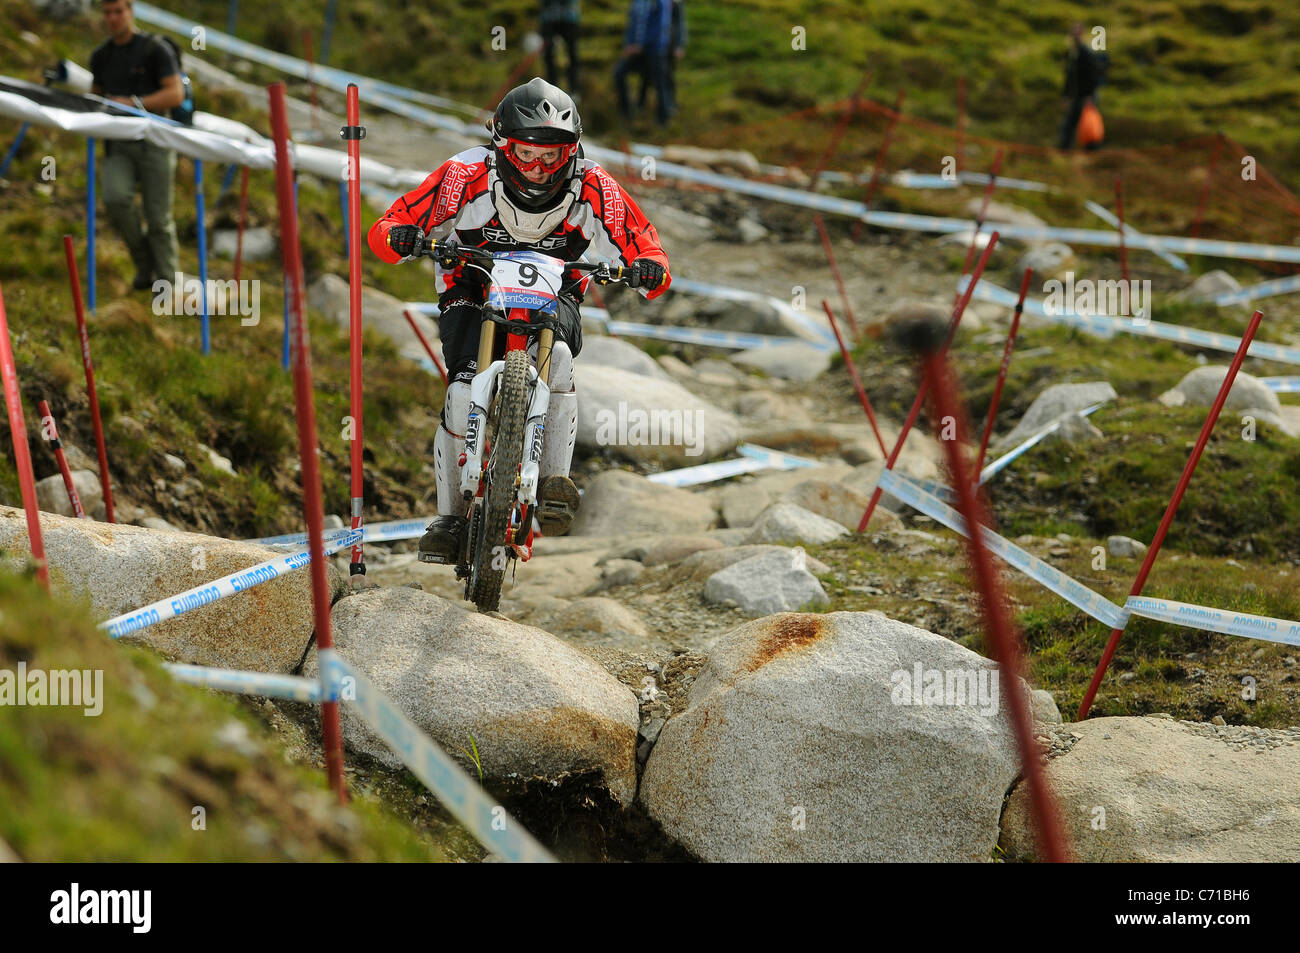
[(525, 279)]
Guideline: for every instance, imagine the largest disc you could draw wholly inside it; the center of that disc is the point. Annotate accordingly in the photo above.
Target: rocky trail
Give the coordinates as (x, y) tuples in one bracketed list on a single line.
[(664, 682)]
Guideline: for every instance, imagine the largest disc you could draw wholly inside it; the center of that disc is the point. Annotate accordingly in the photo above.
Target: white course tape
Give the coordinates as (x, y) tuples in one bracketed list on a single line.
[(1282, 385), (1110, 218), (210, 592), (1108, 325), (752, 458), (1265, 289), (248, 683), (1073, 592), (371, 533), (396, 99), (1216, 620), (463, 797), (1002, 462)]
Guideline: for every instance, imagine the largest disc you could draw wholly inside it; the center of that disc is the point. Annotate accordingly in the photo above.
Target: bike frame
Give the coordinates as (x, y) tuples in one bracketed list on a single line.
[(483, 390)]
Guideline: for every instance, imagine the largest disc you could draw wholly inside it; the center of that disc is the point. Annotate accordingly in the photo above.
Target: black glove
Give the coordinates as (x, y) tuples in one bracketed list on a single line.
[(646, 273), (403, 239)]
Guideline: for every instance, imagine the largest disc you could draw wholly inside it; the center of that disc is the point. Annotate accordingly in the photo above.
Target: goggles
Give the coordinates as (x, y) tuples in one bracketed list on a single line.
[(563, 152)]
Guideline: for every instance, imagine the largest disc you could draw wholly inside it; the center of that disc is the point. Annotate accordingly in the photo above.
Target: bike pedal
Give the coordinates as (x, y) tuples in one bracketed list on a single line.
[(433, 558)]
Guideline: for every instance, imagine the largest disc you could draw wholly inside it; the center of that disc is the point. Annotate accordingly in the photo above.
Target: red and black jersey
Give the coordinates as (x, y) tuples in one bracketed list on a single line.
[(603, 221)]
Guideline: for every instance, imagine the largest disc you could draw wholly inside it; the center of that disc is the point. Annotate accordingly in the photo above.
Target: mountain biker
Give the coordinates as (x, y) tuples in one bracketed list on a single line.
[(531, 188)]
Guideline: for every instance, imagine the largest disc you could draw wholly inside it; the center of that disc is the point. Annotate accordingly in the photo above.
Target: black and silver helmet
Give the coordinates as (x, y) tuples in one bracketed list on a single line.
[(540, 115)]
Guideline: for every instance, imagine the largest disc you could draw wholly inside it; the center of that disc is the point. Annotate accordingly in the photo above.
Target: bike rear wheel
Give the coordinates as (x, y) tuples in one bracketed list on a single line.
[(502, 482)]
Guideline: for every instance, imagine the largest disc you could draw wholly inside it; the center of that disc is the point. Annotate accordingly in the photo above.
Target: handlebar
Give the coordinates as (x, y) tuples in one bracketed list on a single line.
[(448, 253)]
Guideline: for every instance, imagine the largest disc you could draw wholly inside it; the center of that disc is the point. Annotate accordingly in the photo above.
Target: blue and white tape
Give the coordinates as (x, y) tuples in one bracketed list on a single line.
[(463, 797), (1108, 325), (1216, 620), (291, 687), (1265, 289), (1002, 462), (1072, 591), (1110, 218), (1282, 385), (210, 592), (370, 533), (752, 458)]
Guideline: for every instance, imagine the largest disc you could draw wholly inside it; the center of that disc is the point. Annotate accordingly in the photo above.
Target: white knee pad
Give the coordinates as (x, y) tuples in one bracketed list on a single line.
[(561, 367), (448, 444), (455, 409)]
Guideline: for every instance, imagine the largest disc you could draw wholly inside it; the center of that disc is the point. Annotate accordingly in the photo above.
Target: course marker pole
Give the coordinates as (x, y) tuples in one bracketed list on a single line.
[(1002, 371), (50, 431), (353, 133), (313, 511), (874, 184), (979, 222), (1123, 251), (1170, 510), (13, 150), (243, 219), (22, 455), (835, 271), (957, 312), (84, 336), (1205, 189), (837, 133), (961, 123), (1003, 640), (857, 381), (410, 319), (90, 223), (201, 210)]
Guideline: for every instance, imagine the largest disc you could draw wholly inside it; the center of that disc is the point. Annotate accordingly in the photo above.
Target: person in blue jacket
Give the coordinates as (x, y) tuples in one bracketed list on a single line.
[(647, 46)]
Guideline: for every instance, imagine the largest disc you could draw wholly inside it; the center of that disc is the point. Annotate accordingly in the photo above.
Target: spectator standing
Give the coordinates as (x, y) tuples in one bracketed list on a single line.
[(1082, 77), (138, 69), (647, 48), (560, 20)]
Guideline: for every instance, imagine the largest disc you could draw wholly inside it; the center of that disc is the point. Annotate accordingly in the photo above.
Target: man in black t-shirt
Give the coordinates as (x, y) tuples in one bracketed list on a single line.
[(138, 69), (1080, 85)]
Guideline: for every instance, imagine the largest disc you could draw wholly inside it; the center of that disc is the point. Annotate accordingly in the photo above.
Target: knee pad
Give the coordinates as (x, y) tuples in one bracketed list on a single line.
[(561, 369), (455, 409)]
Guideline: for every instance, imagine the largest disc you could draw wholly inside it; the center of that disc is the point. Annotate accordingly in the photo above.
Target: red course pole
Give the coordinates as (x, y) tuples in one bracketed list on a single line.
[(243, 218), (75, 280), (410, 319), (838, 132), (50, 430), (22, 455), (1205, 189), (874, 184), (1215, 409), (857, 381), (1002, 372), (925, 383), (961, 123), (354, 132), (1004, 642), (1123, 252), (835, 270), (313, 511), (979, 220)]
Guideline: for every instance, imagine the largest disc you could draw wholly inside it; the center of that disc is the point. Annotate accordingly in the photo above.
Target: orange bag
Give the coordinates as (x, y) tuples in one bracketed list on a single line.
[(1091, 130)]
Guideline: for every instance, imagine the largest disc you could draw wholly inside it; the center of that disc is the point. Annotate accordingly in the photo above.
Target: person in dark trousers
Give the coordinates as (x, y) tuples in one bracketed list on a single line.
[(138, 69), (647, 46), (560, 19), (1082, 77), (677, 43)]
